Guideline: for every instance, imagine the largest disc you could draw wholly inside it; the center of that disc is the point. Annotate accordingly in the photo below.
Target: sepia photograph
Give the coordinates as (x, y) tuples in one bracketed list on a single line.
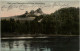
[(39, 25)]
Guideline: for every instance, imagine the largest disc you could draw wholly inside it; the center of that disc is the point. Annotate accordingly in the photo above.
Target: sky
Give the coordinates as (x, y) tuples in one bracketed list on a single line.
[(16, 7)]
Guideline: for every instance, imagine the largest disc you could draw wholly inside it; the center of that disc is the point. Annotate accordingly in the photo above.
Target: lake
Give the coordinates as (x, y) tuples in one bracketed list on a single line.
[(55, 43)]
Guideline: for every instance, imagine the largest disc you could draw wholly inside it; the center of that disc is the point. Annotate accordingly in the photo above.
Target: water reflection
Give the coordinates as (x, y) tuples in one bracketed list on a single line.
[(10, 45), (46, 44), (25, 46), (17, 43)]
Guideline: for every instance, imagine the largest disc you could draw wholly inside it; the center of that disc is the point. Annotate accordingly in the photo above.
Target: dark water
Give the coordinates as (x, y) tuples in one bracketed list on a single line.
[(56, 43)]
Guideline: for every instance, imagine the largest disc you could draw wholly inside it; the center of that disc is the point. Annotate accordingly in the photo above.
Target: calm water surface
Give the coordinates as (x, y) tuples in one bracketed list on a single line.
[(57, 43)]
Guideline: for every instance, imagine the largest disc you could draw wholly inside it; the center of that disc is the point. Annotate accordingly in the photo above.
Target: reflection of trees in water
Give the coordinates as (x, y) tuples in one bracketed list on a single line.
[(30, 45), (10, 44), (17, 43), (3, 44), (50, 44), (39, 46), (25, 46)]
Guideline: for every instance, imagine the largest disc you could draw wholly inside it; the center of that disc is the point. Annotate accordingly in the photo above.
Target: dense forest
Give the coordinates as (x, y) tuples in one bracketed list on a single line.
[(64, 21)]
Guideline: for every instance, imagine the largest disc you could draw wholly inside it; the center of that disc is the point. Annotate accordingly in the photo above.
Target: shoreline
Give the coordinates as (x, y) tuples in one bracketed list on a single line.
[(38, 37)]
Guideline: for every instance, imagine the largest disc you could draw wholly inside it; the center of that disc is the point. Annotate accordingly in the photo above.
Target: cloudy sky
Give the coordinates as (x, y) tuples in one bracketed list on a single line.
[(18, 7)]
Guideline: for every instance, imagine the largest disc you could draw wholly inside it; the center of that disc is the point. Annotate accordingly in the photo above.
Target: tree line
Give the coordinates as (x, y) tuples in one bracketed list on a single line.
[(64, 21)]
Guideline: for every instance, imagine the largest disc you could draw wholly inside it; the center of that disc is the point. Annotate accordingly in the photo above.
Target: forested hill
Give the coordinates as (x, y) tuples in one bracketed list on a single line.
[(64, 21)]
